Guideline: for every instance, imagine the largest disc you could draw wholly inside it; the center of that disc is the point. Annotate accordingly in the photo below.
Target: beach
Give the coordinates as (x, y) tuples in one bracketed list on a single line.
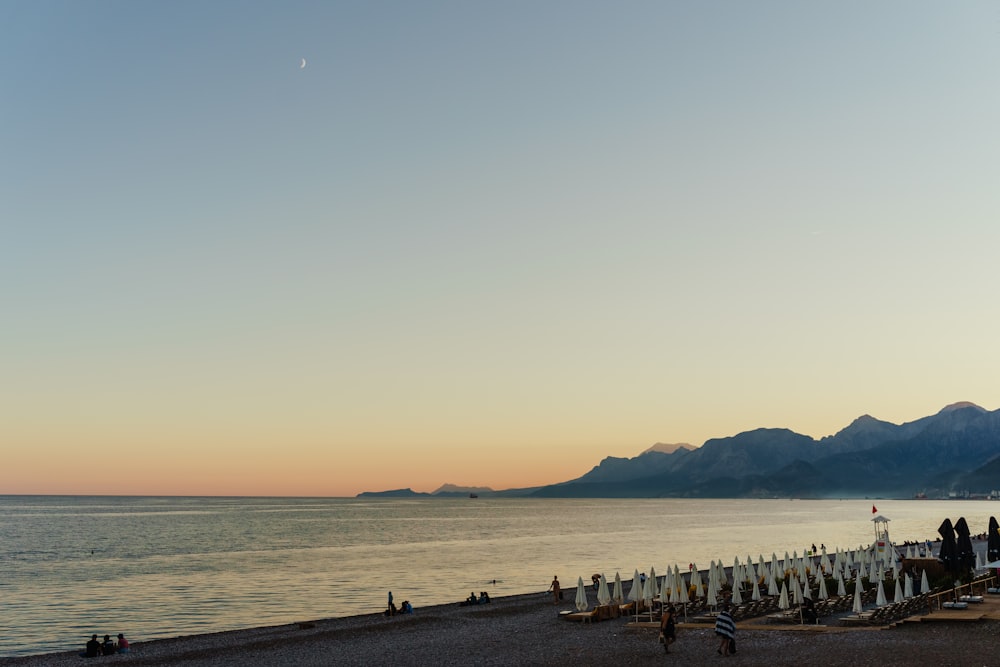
[(527, 630)]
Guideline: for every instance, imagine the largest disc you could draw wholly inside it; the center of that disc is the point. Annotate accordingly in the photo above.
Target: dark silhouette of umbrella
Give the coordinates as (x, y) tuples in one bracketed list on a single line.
[(993, 541), (966, 556), (949, 550)]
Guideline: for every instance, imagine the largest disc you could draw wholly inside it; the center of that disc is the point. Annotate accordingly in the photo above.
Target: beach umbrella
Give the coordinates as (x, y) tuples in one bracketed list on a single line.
[(806, 593), (696, 582), (737, 596), (635, 592), (909, 552), (841, 586), (772, 585), (880, 600), (796, 590), (993, 541), (925, 586), (822, 595), (783, 598), (858, 590), (898, 593), (755, 592), (966, 554), (618, 595), (603, 594), (949, 550), (908, 586), (581, 595), (979, 562)]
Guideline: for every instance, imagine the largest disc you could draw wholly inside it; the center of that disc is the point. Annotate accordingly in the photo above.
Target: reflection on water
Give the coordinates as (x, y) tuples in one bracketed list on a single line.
[(162, 567)]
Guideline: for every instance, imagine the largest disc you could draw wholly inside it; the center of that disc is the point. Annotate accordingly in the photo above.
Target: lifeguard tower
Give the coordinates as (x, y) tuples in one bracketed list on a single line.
[(883, 546)]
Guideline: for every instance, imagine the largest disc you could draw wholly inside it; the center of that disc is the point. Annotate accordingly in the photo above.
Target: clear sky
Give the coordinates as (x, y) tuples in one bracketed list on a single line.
[(484, 243)]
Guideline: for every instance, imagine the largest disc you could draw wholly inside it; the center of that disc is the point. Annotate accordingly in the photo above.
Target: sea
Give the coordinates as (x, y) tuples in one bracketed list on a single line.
[(157, 567)]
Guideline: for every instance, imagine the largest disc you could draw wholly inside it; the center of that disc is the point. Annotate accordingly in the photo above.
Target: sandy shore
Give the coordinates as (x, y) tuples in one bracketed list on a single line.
[(526, 630)]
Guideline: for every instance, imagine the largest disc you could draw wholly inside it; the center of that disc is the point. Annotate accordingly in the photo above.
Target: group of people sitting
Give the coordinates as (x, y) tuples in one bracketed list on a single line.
[(484, 598), (97, 648), (405, 608)]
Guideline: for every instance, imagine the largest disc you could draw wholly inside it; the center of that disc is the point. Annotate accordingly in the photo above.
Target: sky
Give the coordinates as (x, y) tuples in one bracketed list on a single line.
[(481, 243)]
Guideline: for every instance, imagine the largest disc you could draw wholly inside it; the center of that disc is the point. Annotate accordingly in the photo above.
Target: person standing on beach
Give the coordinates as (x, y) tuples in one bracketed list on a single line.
[(668, 628), (554, 587), (725, 628)]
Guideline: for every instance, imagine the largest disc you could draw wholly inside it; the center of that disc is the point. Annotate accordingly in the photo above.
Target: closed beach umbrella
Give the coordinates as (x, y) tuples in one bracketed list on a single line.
[(806, 593), (699, 589), (654, 587), (603, 594), (755, 592), (822, 595), (783, 597), (635, 592), (772, 585), (993, 541), (796, 590), (908, 586), (581, 595), (618, 595), (737, 596), (966, 555), (925, 587), (841, 586), (898, 593), (949, 551), (880, 600), (858, 606)]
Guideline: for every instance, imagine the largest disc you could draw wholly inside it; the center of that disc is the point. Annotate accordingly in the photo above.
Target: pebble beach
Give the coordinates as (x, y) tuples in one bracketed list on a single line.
[(527, 630)]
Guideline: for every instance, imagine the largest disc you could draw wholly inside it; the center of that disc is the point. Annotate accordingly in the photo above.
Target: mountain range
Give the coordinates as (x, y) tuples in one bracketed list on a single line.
[(956, 451)]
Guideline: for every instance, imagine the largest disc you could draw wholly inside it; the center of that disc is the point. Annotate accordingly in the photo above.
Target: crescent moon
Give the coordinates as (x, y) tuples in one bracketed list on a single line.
[(302, 65)]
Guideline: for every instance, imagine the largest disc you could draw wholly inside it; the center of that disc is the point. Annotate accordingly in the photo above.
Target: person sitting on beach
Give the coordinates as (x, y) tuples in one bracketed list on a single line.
[(108, 647), (122, 643), (484, 598), (391, 611), (472, 599), (406, 608), (93, 648)]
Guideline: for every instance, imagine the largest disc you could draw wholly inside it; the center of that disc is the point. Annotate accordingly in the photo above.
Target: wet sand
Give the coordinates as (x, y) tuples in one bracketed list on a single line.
[(527, 630)]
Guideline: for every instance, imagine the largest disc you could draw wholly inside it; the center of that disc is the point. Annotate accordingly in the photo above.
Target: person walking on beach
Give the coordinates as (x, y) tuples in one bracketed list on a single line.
[(725, 628), (554, 587), (668, 628)]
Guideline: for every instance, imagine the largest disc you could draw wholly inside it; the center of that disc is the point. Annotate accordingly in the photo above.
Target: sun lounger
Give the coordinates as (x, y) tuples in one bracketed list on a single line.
[(971, 598), (582, 616), (993, 590), (955, 605)]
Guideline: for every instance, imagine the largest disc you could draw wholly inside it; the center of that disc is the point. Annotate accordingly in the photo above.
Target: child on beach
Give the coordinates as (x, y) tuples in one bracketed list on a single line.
[(725, 628)]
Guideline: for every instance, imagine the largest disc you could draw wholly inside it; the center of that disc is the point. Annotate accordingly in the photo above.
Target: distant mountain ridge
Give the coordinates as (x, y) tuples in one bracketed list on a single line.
[(956, 450)]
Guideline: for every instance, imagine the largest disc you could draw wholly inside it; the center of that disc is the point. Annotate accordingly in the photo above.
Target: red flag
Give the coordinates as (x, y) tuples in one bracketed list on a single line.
[(874, 509)]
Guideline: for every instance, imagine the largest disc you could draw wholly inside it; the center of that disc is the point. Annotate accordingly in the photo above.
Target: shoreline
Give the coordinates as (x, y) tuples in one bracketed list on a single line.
[(526, 629)]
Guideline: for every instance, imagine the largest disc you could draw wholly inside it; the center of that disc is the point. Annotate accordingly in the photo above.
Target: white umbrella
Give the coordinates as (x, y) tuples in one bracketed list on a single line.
[(635, 593), (925, 587), (737, 596), (908, 586), (909, 552), (755, 591), (649, 591), (654, 586), (806, 593), (618, 595), (783, 597), (858, 590), (979, 562), (603, 594), (581, 595), (841, 588), (796, 590), (772, 585), (822, 595), (898, 593), (696, 582), (880, 600)]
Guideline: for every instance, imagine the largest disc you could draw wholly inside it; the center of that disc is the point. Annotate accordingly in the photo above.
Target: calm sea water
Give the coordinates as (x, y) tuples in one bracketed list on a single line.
[(163, 567)]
